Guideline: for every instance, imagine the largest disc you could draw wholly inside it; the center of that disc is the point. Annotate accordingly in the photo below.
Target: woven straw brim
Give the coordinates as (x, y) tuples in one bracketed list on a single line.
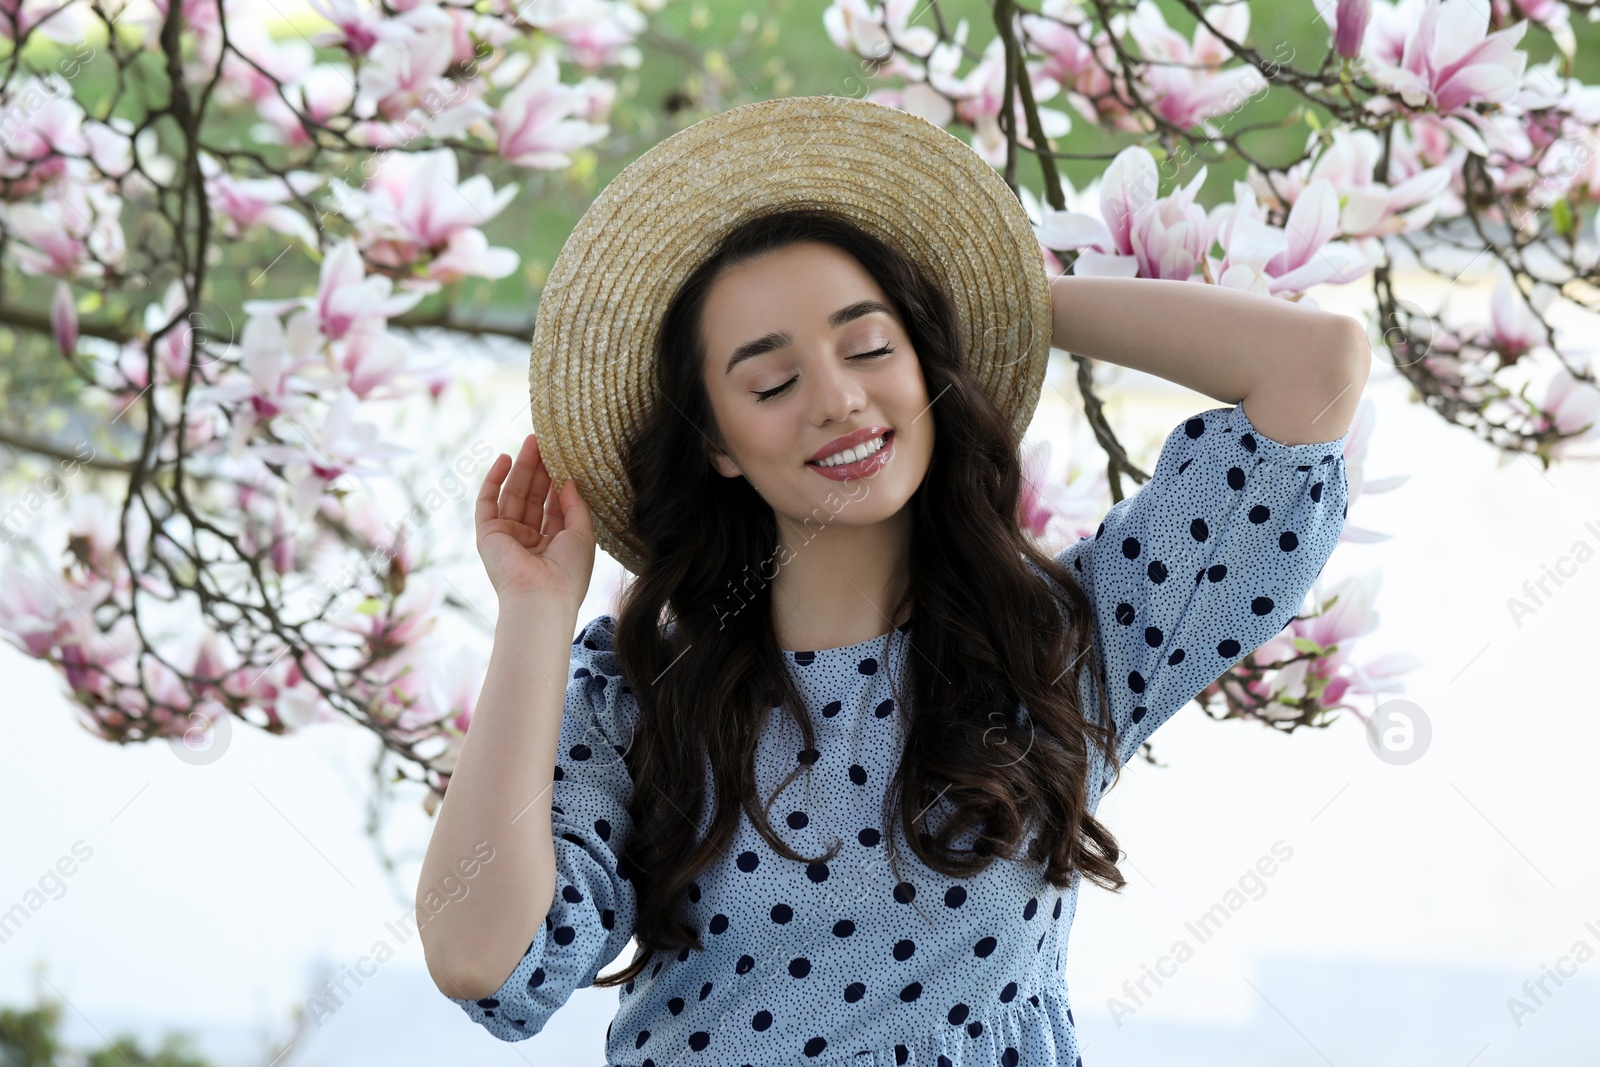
[(592, 373)]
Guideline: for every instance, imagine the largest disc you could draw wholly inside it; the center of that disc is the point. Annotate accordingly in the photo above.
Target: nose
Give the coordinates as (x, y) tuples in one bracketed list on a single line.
[(834, 393)]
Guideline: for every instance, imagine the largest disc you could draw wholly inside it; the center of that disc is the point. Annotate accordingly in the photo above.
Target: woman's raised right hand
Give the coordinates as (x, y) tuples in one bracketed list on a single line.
[(534, 537)]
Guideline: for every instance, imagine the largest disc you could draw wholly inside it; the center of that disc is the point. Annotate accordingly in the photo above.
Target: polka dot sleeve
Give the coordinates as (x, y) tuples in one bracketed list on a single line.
[(592, 916), (1206, 562)]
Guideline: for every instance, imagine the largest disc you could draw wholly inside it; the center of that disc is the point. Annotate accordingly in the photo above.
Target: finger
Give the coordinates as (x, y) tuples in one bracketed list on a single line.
[(538, 488), (486, 508), (577, 514), (554, 522), (514, 498)]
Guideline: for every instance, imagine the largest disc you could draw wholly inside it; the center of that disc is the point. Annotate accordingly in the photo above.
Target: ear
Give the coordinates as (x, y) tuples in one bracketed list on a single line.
[(724, 466)]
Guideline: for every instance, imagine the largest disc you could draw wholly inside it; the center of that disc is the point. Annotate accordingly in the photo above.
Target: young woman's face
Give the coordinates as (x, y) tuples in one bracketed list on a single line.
[(820, 372)]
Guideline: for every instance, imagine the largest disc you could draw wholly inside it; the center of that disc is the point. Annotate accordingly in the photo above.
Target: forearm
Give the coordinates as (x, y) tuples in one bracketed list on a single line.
[(1298, 371), (500, 792)]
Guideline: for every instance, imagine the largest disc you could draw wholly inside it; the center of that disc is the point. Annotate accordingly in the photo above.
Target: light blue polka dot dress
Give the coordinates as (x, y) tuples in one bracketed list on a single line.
[(841, 962)]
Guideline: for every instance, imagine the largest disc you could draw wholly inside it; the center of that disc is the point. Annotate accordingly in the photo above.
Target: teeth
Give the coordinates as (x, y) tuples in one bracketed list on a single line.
[(856, 454)]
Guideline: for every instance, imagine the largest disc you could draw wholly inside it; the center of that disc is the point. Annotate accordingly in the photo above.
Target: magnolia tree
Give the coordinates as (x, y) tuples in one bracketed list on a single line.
[(227, 554), (1431, 143), (233, 557)]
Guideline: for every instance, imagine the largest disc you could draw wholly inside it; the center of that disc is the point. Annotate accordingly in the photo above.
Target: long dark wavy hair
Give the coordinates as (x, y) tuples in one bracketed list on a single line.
[(976, 604)]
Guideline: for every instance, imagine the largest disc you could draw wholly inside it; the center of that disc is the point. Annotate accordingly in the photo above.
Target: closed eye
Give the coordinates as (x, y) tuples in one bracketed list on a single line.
[(767, 394)]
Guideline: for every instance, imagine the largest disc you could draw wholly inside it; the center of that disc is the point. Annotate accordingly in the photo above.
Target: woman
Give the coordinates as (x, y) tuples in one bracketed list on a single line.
[(840, 647)]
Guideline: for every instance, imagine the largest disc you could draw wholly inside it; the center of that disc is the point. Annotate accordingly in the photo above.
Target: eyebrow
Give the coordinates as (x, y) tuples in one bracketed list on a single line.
[(780, 339)]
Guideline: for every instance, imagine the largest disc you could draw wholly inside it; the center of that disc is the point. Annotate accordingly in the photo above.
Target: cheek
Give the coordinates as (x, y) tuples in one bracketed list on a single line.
[(910, 384), (910, 396), (758, 436)]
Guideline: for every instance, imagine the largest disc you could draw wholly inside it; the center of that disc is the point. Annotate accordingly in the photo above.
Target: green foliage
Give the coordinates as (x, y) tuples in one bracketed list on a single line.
[(28, 1039)]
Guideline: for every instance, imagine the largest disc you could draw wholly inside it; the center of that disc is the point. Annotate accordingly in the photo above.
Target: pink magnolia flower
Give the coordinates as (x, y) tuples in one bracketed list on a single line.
[(390, 535), (1033, 512), (44, 243), (189, 334), (469, 254), (1348, 20), (597, 34), (1355, 464), (214, 658), (270, 524), (96, 664), (410, 618), (266, 382), (1551, 14), (110, 150), (1128, 185), (282, 690), (404, 74), (870, 30), (324, 453), (371, 359), (1422, 143), (399, 690), (50, 616), (270, 61), (347, 297), (479, 41), (242, 204), (1080, 65), (43, 125), (1449, 62), (433, 696), (167, 712), (414, 207), (282, 554), (357, 26), (319, 456), (1559, 119), (1057, 509), (1345, 615), (1171, 237), (1570, 405), (321, 93), (1515, 328), (540, 120), (978, 96), (1285, 260), (45, 240), (1138, 234), (1186, 84), (33, 608), (19, 18), (1350, 616), (1367, 208), (76, 234)]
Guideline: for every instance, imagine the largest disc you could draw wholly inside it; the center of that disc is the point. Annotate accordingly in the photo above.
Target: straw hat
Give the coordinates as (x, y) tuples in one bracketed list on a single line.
[(908, 181)]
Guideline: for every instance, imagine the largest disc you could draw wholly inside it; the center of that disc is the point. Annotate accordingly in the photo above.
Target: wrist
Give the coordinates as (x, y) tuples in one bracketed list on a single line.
[(522, 607)]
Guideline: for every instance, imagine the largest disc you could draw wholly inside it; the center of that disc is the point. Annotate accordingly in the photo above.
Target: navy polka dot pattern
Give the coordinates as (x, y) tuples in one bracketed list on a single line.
[(1207, 562), (823, 962)]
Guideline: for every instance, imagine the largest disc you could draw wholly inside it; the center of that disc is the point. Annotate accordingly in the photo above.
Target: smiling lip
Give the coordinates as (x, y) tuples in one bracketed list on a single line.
[(849, 440), (861, 468)]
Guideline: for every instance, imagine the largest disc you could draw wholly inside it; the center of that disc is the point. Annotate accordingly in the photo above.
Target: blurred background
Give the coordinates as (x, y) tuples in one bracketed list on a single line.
[(233, 884)]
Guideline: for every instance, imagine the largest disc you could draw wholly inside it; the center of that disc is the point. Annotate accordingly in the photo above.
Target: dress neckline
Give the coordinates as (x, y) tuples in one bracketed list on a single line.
[(806, 655)]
